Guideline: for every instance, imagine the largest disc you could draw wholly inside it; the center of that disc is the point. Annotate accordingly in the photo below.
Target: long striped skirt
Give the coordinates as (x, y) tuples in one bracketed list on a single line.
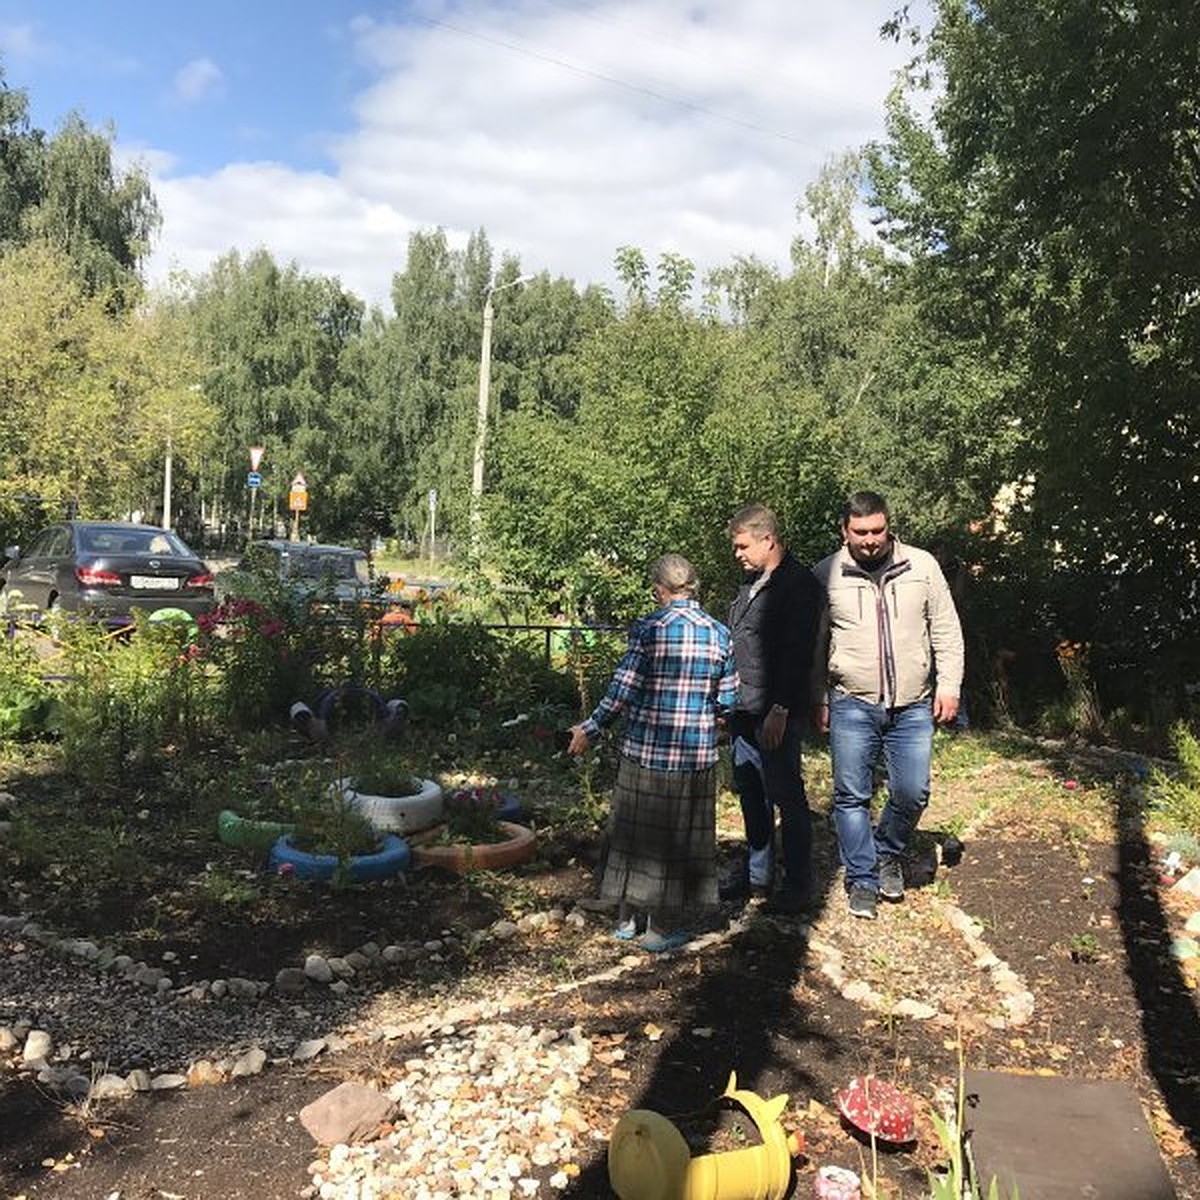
[(662, 843)]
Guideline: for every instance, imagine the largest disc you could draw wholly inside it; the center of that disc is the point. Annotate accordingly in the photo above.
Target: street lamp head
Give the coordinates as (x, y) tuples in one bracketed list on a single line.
[(499, 287)]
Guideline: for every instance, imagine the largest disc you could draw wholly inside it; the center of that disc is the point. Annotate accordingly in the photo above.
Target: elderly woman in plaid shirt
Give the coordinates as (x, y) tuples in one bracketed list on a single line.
[(675, 677)]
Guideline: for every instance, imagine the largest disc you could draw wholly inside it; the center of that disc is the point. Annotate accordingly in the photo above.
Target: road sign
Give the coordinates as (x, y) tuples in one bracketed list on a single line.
[(298, 501), (254, 479), (298, 484), (256, 453)]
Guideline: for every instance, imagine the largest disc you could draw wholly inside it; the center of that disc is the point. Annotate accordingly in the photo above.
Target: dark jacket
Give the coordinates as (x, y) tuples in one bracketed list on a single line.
[(774, 635)]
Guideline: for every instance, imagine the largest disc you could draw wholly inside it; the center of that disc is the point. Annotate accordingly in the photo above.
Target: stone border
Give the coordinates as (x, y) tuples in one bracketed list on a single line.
[(337, 973)]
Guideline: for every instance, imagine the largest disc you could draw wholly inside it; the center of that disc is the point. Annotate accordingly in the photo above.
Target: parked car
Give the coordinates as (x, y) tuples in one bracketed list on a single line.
[(337, 575), (106, 569)]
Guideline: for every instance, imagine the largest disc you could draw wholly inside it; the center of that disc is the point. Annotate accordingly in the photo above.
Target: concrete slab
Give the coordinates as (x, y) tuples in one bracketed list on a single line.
[(1057, 1138)]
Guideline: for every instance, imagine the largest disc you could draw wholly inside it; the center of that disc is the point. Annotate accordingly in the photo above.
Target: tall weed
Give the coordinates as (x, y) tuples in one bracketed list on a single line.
[(1177, 796)]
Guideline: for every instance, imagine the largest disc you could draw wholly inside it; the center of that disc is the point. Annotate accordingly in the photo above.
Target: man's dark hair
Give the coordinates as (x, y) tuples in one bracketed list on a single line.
[(864, 504)]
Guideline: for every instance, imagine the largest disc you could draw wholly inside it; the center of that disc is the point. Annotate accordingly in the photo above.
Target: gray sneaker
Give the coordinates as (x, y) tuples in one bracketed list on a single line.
[(891, 879), (862, 902)]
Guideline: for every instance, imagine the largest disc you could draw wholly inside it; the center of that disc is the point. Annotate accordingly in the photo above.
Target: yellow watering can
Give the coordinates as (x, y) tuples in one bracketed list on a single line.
[(648, 1158)]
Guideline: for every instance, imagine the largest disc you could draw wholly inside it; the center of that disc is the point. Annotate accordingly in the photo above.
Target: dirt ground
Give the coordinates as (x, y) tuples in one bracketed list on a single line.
[(1068, 895)]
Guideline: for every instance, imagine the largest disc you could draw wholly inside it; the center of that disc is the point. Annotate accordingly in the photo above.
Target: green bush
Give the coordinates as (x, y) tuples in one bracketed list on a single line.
[(126, 699), (1177, 796), (26, 701), (258, 661), (443, 668)]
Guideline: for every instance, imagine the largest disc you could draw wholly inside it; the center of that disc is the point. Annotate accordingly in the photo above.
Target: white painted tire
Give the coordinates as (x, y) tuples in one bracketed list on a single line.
[(397, 814)]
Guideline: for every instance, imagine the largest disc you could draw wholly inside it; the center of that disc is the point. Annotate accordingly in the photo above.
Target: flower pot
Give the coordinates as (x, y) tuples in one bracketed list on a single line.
[(393, 858), (518, 847), (396, 814)]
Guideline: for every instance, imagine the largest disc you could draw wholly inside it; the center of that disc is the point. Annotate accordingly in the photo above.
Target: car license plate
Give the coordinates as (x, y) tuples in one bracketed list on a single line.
[(163, 583)]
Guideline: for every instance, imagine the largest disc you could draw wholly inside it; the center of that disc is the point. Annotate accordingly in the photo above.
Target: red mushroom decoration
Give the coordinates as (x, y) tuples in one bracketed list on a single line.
[(878, 1109)]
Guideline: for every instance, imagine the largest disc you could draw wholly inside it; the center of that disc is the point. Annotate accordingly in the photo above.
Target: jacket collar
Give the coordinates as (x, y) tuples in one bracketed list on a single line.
[(900, 563)]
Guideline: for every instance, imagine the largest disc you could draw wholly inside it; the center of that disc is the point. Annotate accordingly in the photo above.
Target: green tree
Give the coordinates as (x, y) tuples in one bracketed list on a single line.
[(65, 189), (663, 444), (88, 397), (61, 404), (1050, 208), (275, 345)]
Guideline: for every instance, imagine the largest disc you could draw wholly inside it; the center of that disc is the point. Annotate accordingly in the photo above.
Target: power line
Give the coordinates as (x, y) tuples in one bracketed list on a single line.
[(621, 83)]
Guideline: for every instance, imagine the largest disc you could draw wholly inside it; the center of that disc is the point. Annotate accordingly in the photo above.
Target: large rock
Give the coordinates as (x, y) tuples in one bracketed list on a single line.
[(38, 1045), (317, 969), (250, 1063), (348, 1113)]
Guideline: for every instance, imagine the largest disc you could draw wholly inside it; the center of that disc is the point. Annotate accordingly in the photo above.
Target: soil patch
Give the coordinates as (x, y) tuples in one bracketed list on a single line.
[(795, 1007)]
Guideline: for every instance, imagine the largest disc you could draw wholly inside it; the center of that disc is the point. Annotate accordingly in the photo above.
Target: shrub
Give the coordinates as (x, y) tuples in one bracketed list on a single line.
[(1177, 796), (125, 699), (445, 667), (257, 661), (26, 701)]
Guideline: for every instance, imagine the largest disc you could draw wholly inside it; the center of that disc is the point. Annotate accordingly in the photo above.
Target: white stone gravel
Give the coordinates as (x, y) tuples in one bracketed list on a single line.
[(485, 1112)]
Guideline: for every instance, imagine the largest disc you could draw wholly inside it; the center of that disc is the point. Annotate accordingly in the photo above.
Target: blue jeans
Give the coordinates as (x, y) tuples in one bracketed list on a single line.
[(780, 785), (858, 733)]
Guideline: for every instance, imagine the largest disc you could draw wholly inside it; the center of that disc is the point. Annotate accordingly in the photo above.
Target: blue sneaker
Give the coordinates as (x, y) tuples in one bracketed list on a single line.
[(660, 943), (627, 930)]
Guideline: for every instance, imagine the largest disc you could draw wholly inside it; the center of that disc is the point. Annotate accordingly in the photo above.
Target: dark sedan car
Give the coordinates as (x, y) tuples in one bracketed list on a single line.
[(105, 569), (325, 574)]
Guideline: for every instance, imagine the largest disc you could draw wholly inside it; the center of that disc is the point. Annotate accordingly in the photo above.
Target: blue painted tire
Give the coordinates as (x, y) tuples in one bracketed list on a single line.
[(394, 858), (510, 808)]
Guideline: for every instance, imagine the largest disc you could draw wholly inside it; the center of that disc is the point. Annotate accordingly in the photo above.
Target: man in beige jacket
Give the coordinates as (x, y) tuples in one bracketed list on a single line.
[(889, 665)]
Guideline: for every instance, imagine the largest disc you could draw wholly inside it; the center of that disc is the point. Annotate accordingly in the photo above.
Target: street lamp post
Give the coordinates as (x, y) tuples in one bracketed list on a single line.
[(166, 520), (481, 424)]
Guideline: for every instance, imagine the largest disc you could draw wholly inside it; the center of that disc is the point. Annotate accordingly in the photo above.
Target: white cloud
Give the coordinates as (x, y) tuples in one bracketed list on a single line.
[(308, 218), (197, 80), (19, 42), (565, 133)]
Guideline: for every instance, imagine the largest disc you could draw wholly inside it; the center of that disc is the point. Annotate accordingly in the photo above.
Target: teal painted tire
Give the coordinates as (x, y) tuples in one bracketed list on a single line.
[(243, 833), (394, 858)]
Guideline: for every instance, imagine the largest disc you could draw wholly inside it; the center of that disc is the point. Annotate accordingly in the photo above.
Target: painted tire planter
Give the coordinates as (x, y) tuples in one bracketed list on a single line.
[(518, 847), (243, 833), (397, 814), (508, 806), (392, 859), (329, 697)]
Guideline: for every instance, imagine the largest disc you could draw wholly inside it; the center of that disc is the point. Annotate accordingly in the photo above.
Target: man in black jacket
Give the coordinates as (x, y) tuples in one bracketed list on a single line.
[(774, 624)]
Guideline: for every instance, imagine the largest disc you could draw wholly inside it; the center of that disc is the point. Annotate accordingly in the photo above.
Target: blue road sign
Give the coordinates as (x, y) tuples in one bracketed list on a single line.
[(254, 479)]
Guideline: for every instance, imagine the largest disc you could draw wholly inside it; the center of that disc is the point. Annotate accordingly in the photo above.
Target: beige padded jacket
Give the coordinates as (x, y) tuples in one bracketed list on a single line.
[(893, 643)]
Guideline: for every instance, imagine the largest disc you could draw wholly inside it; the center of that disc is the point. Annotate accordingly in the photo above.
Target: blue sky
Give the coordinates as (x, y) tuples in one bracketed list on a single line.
[(328, 132), (208, 82)]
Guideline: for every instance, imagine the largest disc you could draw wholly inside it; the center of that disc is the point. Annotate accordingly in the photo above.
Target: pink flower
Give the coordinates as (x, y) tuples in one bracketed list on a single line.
[(270, 628)]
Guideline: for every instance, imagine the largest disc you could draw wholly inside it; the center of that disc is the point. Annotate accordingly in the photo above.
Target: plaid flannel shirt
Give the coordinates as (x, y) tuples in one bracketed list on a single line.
[(677, 673)]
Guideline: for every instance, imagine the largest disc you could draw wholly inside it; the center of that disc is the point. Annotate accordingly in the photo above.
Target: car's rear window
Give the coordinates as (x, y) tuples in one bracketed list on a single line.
[(318, 566), (132, 541)]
